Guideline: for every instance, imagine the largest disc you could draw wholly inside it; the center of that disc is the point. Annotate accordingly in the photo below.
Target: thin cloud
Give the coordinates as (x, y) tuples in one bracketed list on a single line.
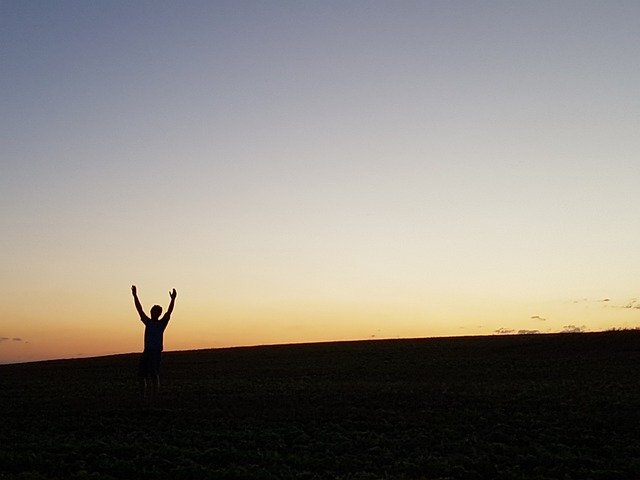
[(632, 304), (607, 302), (574, 329), (511, 331), (538, 317), (504, 331), (12, 339)]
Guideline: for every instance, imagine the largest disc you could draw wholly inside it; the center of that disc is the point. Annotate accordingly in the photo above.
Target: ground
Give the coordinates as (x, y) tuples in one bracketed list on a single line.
[(497, 407)]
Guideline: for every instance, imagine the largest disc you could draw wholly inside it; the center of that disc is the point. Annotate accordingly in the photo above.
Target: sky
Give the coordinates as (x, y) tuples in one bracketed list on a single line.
[(312, 171)]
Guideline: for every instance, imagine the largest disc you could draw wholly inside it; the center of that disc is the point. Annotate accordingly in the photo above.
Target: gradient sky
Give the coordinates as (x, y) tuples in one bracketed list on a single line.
[(308, 171)]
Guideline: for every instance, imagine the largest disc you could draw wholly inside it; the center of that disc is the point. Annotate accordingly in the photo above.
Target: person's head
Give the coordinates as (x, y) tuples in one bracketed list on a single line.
[(156, 311)]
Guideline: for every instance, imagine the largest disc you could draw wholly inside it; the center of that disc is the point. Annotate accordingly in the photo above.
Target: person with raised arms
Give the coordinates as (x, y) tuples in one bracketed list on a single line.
[(154, 327)]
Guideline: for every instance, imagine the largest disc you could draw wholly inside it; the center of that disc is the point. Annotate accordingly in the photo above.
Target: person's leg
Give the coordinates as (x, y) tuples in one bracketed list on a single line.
[(153, 375), (156, 370), (143, 373), (155, 385), (142, 387)]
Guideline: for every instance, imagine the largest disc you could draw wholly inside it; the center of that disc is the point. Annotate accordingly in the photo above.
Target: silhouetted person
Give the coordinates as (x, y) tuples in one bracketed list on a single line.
[(149, 368)]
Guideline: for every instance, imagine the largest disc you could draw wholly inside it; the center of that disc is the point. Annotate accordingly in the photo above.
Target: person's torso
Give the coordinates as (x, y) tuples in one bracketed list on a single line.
[(153, 333)]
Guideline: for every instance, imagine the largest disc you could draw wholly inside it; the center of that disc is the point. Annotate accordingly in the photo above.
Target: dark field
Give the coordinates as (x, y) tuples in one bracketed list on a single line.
[(508, 407)]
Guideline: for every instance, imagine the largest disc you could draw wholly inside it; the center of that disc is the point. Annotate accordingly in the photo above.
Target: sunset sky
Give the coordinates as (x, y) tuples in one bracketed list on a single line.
[(315, 170)]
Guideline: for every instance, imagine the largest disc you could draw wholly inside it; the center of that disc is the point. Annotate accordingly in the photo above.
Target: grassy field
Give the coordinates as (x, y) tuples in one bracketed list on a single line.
[(499, 407)]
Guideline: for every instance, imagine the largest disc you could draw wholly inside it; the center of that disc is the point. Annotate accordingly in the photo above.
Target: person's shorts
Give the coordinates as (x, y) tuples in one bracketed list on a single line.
[(149, 364)]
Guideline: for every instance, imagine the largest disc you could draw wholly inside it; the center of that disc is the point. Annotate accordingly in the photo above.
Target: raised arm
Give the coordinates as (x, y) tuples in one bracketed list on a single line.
[(173, 294), (136, 302)]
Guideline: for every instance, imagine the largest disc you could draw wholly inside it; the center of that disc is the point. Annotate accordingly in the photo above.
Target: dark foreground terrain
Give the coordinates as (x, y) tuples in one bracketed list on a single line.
[(510, 407)]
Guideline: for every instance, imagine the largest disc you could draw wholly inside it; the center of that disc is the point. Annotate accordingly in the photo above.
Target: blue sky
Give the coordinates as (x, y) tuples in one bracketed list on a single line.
[(306, 171)]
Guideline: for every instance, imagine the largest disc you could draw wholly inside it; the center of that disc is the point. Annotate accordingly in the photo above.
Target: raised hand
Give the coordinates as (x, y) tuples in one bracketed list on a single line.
[(134, 290), (173, 294)]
